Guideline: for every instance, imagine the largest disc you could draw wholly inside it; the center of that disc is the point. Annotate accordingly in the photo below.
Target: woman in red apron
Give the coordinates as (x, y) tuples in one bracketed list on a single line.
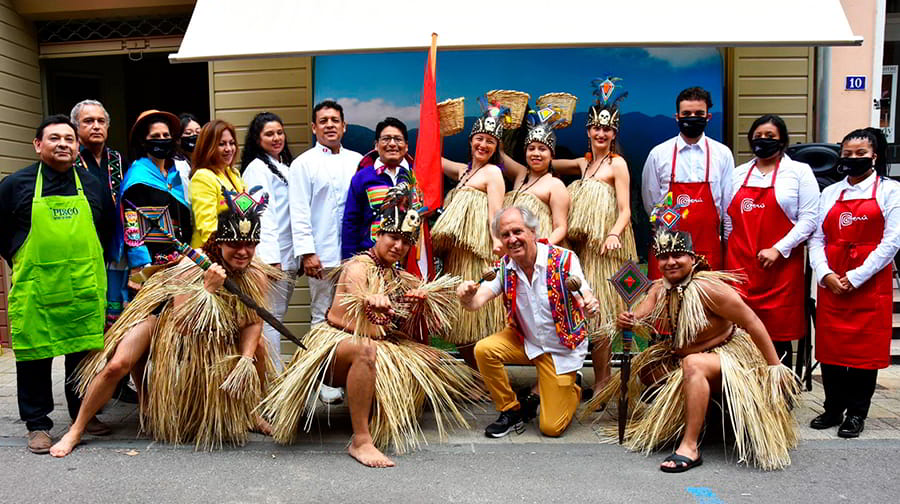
[(852, 249), (772, 213)]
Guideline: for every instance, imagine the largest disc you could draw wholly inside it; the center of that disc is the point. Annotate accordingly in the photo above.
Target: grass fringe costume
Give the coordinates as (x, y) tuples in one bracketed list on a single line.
[(759, 398), (591, 218), (200, 389), (408, 372)]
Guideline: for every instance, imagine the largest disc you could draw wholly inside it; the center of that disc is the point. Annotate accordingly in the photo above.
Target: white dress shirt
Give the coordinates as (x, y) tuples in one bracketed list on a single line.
[(796, 192), (690, 166), (534, 316), (184, 171), (392, 172), (275, 241), (888, 197), (319, 180)]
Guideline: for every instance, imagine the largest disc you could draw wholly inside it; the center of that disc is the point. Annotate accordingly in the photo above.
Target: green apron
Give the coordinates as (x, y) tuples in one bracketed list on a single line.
[(57, 302)]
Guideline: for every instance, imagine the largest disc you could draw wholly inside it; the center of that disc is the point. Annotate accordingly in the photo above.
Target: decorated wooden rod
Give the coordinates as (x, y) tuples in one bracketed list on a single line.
[(200, 259)]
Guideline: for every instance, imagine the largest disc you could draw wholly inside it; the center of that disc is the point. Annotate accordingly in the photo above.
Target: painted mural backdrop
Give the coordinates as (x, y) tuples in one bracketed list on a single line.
[(373, 86)]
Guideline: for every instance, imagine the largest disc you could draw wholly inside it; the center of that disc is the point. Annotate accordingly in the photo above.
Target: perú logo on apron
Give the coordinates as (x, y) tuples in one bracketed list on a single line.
[(685, 200), (747, 205), (847, 218), (63, 213)]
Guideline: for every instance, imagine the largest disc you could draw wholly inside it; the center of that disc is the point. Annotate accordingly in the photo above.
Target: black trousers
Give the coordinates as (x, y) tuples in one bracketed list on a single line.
[(35, 390), (785, 351), (848, 389)]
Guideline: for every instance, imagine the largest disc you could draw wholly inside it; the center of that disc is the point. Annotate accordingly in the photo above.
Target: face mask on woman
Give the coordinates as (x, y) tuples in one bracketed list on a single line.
[(855, 166), (188, 143), (160, 148), (764, 148)]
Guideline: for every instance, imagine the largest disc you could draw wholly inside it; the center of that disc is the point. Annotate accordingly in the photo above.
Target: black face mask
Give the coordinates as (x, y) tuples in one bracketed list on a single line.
[(188, 143), (691, 127), (160, 148), (854, 167), (764, 148)]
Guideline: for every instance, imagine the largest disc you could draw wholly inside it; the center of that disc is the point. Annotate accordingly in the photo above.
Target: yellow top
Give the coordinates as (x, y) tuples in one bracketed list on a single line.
[(207, 200)]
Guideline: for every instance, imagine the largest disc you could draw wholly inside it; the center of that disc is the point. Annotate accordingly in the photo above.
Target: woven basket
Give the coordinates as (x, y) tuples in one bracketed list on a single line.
[(565, 102), (517, 102), (452, 115)]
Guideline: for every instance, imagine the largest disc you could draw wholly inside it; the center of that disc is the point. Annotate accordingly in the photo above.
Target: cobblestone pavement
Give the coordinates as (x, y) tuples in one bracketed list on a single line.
[(332, 424)]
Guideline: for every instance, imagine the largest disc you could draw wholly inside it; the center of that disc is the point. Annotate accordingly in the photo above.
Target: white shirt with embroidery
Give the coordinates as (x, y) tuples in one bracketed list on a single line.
[(534, 317)]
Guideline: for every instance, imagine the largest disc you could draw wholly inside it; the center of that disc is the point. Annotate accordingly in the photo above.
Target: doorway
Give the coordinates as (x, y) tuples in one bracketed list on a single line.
[(127, 85)]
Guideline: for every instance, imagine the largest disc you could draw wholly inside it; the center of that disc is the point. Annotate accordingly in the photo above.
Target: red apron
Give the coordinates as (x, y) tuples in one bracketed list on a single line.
[(702, 221), (854, 329), (776, 293)]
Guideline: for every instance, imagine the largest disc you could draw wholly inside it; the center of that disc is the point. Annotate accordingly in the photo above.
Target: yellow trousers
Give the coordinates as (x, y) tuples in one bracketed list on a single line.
[(559, 393)]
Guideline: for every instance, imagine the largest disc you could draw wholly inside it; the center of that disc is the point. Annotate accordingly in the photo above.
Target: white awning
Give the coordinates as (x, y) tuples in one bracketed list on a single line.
[(229, 29)]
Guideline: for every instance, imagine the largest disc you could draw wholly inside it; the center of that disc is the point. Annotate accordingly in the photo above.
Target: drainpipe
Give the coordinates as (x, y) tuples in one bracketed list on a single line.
[(823, 76), (877, 62)]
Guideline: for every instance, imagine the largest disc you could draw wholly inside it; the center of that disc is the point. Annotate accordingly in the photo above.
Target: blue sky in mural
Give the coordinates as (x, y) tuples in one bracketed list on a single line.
[(371, 86)]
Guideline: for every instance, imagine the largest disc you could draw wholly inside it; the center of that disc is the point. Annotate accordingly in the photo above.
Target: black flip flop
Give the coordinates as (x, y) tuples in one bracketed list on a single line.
[(682, 463)]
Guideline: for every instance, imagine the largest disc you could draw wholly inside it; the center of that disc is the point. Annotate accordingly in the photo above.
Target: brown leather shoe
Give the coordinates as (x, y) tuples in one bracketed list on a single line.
[(95, 427), (39, 441)]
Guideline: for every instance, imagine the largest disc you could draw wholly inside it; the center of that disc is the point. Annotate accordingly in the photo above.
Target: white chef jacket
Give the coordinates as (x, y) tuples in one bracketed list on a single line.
[(690, 166), (319, 181), (275, 242), (888, 198), (796, 191), (534, 316)]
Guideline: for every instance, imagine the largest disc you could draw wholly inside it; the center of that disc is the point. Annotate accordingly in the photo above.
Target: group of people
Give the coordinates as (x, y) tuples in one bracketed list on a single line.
[(105, 259)]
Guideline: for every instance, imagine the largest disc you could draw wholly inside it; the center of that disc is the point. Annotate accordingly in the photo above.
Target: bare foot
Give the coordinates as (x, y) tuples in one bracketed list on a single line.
[(684, 451), (368, 455), (65, 445), (262, 426)]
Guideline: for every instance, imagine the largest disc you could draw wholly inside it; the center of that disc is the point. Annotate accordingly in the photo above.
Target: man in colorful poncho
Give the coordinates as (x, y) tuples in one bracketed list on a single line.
[(712, 344), (545, 326)]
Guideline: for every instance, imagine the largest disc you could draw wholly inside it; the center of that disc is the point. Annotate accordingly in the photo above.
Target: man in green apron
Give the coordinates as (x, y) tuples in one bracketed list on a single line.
[(53, 229)]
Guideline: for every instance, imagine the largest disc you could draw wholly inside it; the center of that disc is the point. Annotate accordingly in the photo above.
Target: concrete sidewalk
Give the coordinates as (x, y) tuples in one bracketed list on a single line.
[(332, 425)]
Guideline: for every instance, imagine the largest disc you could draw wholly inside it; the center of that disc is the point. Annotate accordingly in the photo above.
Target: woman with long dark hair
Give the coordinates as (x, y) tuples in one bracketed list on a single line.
[(212, 169), (774, 203), (265, 161), (851, 250)]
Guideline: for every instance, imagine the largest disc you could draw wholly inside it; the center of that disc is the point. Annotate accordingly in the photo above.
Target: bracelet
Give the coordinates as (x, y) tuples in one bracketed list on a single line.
[(613, 234), (376, 318)]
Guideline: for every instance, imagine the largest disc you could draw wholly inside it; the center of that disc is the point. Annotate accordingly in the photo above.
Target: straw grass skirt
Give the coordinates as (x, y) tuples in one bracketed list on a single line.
[(462, 238), (533, 204), (759, 398), (193, 353), (591, 218)]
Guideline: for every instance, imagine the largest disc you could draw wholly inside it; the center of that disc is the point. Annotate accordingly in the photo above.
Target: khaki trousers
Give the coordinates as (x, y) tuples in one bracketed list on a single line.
[(559, 393)]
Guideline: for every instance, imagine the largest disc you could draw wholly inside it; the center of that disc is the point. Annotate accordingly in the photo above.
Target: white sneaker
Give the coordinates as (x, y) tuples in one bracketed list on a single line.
[(331, 395)]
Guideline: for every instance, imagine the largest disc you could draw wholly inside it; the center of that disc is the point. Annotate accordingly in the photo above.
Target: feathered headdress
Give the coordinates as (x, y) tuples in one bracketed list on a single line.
[(494, 117), (668, 240), (540, 126), (241, 221), (401, 213), (604, 112)]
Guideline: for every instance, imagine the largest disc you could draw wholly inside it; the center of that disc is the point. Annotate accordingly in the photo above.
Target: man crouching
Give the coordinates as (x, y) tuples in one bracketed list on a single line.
[(711, 343), (374, 343), (545, 326)]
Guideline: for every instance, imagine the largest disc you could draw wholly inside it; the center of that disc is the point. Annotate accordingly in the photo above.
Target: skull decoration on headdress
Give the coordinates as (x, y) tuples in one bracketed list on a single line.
[(400, 213), (540, 127), (604, 112), (241, 221), (494, 117), (667, 239)]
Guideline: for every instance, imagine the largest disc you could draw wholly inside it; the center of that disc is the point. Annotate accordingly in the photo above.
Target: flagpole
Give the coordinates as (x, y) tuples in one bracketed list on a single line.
[(434, 38)]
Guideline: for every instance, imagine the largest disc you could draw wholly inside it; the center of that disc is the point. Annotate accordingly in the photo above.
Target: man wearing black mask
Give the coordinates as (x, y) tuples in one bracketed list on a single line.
[(697, 171), (153, 183)]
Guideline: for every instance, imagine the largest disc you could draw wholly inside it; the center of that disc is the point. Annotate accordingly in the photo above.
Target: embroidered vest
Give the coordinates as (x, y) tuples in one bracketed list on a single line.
[(569, 319), (114, 168)]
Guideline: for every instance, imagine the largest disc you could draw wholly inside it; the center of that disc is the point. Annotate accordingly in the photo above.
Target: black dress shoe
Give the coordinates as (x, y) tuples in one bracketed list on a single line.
[(852, 426), (826, 420)]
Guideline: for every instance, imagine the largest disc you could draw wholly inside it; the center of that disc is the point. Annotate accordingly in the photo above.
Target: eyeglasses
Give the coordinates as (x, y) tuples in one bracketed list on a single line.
[(386, 140)]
